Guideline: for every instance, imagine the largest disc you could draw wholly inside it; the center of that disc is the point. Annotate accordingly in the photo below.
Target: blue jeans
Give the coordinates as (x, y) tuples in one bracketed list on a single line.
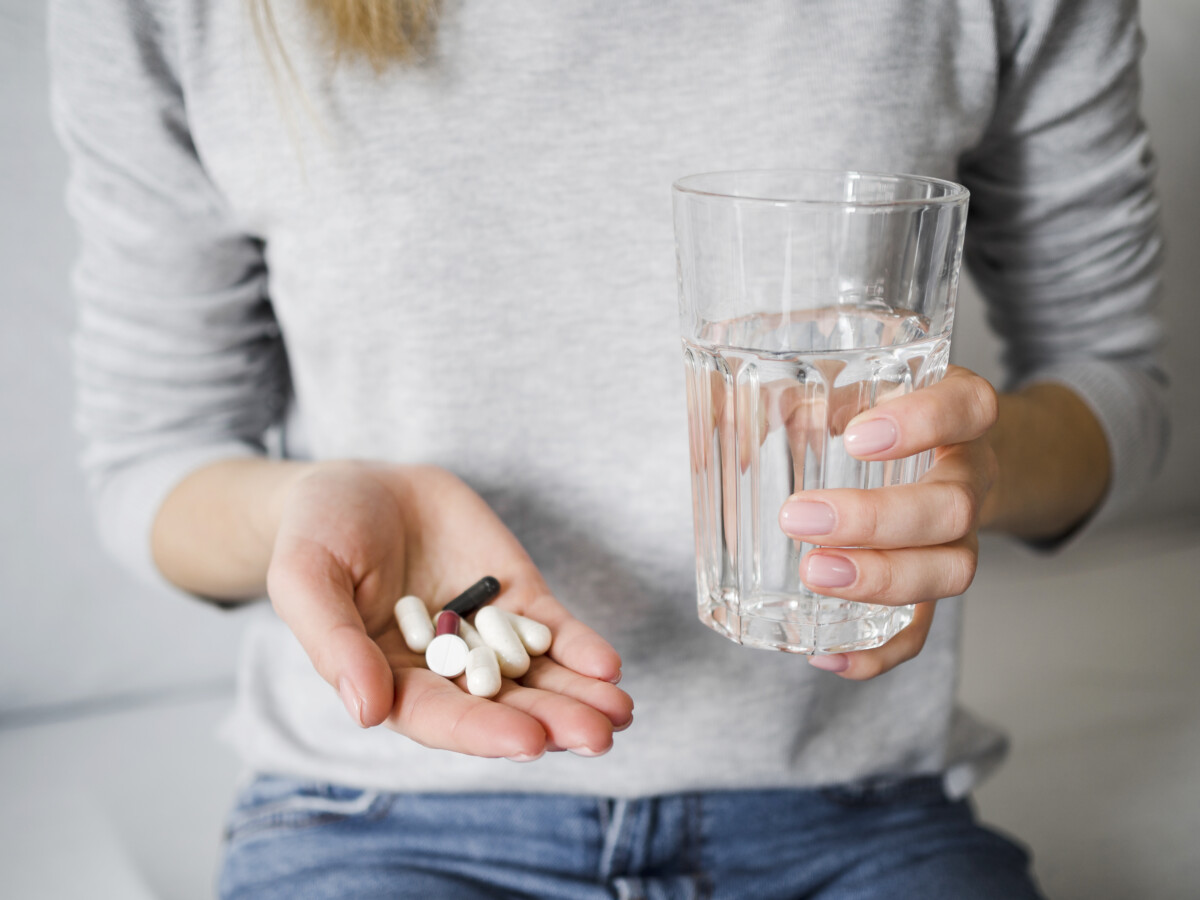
[(893, 839)]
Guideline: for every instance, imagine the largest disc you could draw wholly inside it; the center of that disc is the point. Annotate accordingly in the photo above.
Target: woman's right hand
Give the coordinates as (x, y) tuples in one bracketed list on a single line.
[(354, 537)]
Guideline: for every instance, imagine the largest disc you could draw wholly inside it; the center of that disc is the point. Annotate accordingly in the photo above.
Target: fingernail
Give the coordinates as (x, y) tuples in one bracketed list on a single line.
[(872, 436), (806, 517), (822, 570), (352, 701), (525, 757), (588, 751), (617, 728), (833, 662), (616, 679)]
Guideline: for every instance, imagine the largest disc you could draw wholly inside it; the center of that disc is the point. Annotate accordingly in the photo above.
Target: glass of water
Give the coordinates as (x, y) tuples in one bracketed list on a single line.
[(804, 299)]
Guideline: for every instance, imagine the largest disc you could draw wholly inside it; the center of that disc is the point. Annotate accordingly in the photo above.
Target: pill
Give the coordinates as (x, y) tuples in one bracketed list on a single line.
[(447, 622), (475, 596), (496, 630), (467, 632), (415, 624), (483, 672), (446, 654), (534, 635)]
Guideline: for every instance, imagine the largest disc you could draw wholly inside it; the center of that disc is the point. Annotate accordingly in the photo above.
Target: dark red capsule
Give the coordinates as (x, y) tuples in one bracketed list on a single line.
[(447, 622)]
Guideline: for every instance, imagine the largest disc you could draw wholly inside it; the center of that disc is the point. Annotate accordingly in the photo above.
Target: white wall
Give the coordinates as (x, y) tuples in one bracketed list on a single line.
[(1172, 110), (73, 627)]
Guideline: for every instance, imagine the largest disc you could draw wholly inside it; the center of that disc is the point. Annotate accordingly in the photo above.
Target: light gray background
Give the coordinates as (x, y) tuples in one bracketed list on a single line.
[(110, 690)]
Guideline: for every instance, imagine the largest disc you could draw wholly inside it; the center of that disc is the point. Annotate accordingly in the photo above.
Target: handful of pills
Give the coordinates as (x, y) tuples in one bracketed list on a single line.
[(499, 644)]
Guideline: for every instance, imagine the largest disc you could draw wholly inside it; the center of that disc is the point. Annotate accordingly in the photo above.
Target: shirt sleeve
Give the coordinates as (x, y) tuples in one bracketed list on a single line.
[(1062, 236), (178, 357)]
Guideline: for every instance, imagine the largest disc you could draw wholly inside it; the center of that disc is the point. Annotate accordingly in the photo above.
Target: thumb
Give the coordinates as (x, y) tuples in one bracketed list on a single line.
[(314, 595)]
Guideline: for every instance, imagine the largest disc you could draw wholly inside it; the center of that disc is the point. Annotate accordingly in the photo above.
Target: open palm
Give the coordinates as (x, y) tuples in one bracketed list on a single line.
[(354, 537)]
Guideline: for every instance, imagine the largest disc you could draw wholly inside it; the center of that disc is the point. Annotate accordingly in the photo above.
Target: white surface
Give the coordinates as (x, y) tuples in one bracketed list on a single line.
[(58, 844), (126, 805), (1089, 662)]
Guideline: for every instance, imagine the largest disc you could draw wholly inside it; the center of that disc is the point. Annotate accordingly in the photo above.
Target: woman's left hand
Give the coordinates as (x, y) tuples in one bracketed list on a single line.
[(906, 544)]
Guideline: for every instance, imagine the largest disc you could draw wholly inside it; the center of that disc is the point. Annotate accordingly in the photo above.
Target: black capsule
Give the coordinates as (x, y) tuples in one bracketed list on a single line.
[(475, 596)]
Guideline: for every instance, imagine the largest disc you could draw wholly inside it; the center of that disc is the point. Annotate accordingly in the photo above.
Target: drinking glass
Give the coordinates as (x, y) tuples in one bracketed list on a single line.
[(805, 297)]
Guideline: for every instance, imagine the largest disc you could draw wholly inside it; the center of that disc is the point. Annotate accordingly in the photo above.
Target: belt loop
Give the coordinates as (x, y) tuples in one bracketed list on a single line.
[(613, 833)]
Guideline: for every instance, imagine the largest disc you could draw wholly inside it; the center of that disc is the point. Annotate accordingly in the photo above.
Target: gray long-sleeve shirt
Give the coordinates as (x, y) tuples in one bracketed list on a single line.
[(470, 263)]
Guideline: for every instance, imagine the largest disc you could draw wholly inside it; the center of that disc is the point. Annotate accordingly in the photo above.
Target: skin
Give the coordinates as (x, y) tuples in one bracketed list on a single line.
[(333, 544), (1033, 464)]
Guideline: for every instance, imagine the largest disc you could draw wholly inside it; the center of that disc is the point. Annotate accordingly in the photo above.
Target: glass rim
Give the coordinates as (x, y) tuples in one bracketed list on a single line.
[(953, 193)]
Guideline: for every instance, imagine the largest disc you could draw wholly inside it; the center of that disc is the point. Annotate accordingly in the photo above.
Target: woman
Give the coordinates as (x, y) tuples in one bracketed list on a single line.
[(441, 264)]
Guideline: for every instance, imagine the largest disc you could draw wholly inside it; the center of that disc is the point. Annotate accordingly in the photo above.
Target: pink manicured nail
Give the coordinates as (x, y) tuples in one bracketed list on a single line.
[(826, 571), (588, 751), (872, 436), (525, 757), (352, 701), (834, 662), (806, 517)]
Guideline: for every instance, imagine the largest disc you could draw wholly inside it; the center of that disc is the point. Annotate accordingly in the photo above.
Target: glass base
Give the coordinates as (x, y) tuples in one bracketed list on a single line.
[(802, 623)]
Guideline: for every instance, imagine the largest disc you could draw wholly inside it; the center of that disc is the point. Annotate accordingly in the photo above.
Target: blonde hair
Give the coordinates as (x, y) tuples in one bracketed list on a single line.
[(380, 31)]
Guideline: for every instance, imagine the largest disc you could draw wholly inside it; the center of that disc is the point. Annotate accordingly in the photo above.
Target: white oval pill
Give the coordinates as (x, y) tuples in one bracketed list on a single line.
[(533, 634), (467, 632), (415, 625), (447, 655), (497, 632), (483, 672)]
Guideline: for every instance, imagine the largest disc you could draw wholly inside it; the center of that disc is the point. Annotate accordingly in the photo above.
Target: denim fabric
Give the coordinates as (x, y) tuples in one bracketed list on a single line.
[(893, 839)]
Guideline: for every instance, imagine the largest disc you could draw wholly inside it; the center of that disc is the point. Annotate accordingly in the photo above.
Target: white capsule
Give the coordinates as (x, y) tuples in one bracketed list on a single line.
[(483, 672), (533, 634), (467, 632), (415, 624), (496, 630), (447, 655)]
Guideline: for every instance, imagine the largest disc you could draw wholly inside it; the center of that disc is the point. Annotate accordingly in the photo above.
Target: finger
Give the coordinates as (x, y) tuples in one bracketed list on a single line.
[(436, 712), (892, 577), (314, 596), (573, 644), (608, 699), (568, 723), (942, 507), (959, 408), (861, 665)]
